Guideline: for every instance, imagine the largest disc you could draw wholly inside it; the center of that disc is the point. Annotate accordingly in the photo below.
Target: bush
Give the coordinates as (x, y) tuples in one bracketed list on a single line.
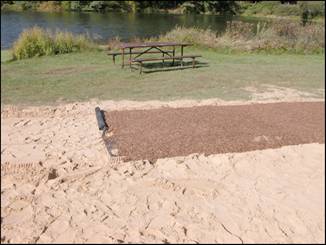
[(239, 30), (33, 42), (75, 6), (63, 43), (195, 36), (286, 9), (315, 8), (38, 42), (49, 6), (66, 5), (279, 36)]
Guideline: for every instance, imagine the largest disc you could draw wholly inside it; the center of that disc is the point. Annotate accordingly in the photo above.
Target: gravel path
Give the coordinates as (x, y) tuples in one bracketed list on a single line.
[(169, 132)]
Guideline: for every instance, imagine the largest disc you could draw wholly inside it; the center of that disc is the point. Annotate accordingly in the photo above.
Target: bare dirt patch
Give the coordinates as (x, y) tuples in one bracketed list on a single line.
[(166, 132), (277, 93)]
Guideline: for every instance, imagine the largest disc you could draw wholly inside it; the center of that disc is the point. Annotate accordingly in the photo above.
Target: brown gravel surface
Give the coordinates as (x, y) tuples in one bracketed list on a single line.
[(167, 132)]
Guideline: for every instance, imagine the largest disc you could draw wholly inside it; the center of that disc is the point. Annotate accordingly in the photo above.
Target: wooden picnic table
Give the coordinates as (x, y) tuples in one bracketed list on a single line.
[(150, 45)]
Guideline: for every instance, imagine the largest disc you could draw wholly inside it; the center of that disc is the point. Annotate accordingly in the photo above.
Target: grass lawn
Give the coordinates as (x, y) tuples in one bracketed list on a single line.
[(82, 76), (5, 55)]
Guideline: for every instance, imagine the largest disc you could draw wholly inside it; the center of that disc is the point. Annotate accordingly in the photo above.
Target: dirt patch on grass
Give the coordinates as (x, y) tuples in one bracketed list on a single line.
[(160, 133), (272, 92)]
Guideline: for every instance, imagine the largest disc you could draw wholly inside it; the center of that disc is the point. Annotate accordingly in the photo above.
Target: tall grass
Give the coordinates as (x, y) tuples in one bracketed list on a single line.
[(39, 42), (276, 8), (280, 36)]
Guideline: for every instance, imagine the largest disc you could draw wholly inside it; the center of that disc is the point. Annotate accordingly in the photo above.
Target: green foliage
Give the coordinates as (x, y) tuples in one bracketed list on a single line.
[(315, 8), (26, 4), (306, 9), (102, 6), (191, 7), (135, 6), (33, 42), (38, 42), (272, 8), (222, 7), (310, 10), (75, 6), (66, 5), (63, 43), (279, 37), (98, 5), (219, 7), (6, 2)]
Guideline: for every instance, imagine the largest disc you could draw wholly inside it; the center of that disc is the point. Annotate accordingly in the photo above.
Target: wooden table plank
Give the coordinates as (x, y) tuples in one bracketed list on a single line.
[(153, 44)]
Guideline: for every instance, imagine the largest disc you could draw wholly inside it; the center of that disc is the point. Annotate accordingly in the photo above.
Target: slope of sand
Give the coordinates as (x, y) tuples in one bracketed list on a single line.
[(58, 184)]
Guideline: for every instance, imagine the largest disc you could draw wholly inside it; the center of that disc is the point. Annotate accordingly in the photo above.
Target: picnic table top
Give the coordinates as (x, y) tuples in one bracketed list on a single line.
[(152, 44)]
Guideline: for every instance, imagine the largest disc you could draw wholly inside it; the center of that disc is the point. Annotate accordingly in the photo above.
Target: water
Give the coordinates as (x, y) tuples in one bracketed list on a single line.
[(103, 26)]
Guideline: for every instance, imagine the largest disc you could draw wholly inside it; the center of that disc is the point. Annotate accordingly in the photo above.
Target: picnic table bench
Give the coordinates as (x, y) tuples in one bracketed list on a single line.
[(152, 48), (114, 54), (140, 61)]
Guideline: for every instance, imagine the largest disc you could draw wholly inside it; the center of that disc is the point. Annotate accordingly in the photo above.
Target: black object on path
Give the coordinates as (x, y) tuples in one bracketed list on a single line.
[(100, 118), (103, 126)]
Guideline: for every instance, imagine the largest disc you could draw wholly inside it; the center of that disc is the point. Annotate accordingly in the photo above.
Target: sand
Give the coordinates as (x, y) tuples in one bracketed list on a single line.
[(58, 184)]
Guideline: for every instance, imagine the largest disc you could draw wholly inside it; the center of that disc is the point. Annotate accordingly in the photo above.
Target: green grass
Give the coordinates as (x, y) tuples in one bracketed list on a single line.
[(6, 55), (87, 75)]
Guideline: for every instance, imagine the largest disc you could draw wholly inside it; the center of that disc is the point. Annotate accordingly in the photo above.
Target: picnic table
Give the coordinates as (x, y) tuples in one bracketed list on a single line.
[(152, 48)]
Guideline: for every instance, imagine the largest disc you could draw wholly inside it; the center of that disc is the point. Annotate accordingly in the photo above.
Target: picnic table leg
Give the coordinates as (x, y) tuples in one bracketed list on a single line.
[(141, 67), (173, 54), (123, 58), (130, 58), (113, 56), (163, 60), (181, 55)]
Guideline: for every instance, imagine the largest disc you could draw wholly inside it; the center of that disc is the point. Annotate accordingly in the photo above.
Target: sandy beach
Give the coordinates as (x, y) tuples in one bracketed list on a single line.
[(59, 184)]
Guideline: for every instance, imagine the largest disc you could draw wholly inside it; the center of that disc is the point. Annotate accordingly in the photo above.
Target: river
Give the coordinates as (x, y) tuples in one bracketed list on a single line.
[(103, 26)]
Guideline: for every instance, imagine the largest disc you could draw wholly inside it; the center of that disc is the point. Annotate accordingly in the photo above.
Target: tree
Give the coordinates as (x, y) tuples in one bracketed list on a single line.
[(222, 7), (98, 5), (75, 5)]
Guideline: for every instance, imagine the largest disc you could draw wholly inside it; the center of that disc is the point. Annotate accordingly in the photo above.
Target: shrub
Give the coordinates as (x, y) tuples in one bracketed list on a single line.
[(279, 36), (314, 8), (195, 36), (63, 43), (75, 5), (66, 5), (98, 5), (33, 42), (49, 6), (83, 42), (38, 42), (239, 30)]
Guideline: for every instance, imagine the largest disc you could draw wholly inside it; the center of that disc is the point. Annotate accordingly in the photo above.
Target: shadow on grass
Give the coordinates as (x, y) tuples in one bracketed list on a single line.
[(168, 66)]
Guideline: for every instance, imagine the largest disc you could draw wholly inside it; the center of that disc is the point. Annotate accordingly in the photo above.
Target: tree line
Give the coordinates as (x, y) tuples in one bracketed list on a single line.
[(316, 8)]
